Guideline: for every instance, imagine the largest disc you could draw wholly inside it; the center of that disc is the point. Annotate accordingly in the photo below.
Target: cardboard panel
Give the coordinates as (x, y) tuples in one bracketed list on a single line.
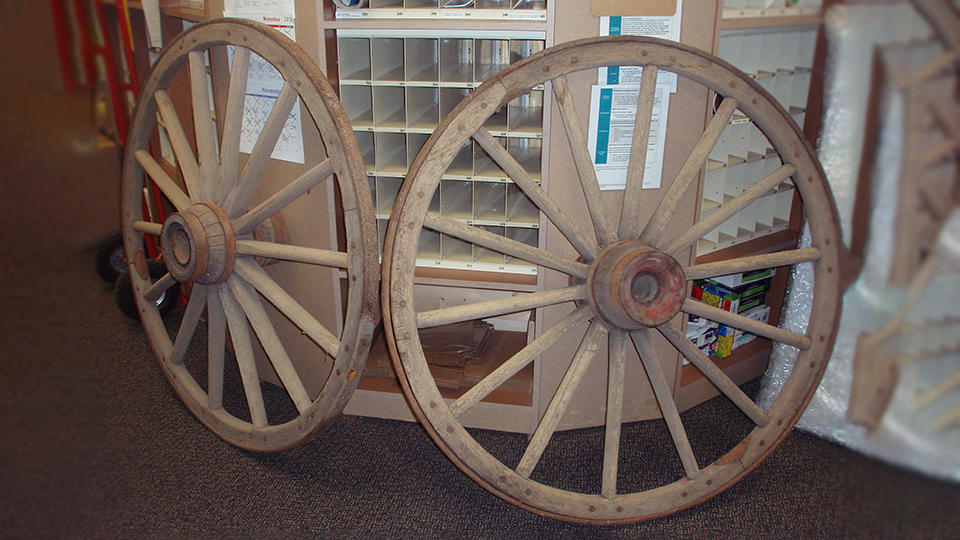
[(633, 7)]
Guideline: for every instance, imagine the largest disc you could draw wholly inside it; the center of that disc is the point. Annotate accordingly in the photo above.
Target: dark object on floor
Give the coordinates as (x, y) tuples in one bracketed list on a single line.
[(123, 292), (108, 258)]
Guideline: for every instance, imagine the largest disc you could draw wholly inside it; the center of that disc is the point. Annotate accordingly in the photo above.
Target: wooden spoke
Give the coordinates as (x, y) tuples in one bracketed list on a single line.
[(934, 202), (520, 360), (754, 262), (159, 287), (253, 309), (203, 126), (714, 374), (688, 172), (583, 163), (933, 69), (617, 343), (323, 257), (668, 407), (251, 272), (568, 227), (233, 122), (163, 181), (948, 418), (188, 325), (633, 193), (700, 309), (243, 349), (246, 223), (147, 227), (729, 209), (938, 152), (181, 146), (942, 388), (216, 345), (548, 424), (500, 306), (502, 244), (945, 113), (239, 198)]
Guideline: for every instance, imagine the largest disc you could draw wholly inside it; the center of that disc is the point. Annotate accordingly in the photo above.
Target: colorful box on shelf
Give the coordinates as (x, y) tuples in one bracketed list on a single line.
[(703, 336), (732, 299), (744, 278), (723, 345), (730, 339), (759, 313)]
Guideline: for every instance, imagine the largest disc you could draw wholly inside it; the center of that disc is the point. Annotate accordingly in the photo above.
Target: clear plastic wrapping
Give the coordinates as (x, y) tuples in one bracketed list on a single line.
[(907, 435)]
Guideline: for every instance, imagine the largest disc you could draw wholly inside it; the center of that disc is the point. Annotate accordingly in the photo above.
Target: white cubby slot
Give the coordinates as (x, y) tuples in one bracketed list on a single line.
[(387, 60), (353, 54), (456, 60)]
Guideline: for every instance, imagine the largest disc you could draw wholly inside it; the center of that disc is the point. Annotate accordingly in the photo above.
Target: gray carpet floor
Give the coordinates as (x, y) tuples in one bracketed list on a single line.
[(95, 443)]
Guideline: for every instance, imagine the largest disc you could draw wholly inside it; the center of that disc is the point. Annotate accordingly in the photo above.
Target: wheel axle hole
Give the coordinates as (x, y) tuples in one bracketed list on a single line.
[(645, 287), (181, 245)]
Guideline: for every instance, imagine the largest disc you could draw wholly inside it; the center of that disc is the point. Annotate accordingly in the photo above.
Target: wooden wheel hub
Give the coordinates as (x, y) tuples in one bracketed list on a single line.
[(198, 244), (632, 285)]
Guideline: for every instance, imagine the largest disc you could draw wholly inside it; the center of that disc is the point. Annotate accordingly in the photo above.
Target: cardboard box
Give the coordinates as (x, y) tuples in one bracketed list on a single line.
[(736, 280), (732, 299), (759, 313), (723, 346), (703, 336), (663, 8)]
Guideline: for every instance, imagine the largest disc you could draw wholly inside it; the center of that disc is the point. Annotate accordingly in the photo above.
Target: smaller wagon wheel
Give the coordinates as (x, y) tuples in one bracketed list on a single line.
[(239, 237), (624, 287)]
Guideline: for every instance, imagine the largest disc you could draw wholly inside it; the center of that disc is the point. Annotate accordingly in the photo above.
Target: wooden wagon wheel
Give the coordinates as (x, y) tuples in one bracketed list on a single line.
[(625, 284), (225, 231)]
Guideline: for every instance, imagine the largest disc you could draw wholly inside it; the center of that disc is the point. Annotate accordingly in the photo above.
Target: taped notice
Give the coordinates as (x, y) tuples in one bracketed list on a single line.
[(264, 83), (613, 110), (275, 7), (663, 27)]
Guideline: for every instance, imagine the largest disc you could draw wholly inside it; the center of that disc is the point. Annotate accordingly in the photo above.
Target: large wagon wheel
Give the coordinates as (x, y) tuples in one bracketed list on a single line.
[(225, 231), (625, 284)]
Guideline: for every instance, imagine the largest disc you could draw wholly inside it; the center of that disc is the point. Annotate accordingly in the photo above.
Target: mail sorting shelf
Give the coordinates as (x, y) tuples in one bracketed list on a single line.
[(458, 9), (780, 60), (396, 86)]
